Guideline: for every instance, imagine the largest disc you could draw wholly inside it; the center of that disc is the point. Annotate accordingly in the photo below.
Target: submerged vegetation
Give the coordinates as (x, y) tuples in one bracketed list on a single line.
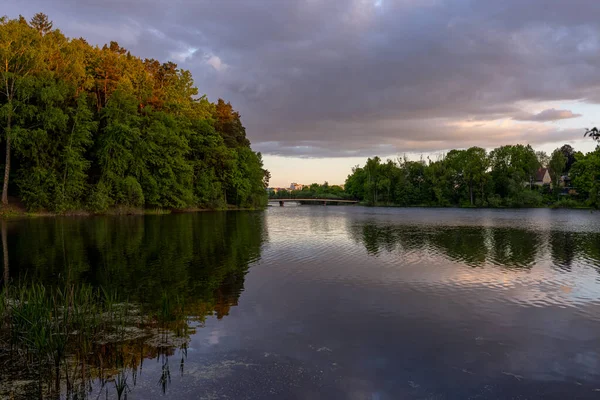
[(62, 339), (87, 127), (508, 176), (115, 291)]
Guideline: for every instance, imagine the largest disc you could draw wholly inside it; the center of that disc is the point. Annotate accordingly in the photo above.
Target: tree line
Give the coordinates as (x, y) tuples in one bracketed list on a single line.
[(88, 127), (313, 191), (503, 177)]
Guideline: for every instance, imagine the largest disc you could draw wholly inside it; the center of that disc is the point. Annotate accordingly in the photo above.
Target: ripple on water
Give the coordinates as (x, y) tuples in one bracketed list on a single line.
[(335, 302)]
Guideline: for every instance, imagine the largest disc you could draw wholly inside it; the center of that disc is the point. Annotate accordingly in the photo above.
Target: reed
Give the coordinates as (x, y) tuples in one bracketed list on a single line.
[(67, 336), (157, 211), (121, 385), (45, 325)]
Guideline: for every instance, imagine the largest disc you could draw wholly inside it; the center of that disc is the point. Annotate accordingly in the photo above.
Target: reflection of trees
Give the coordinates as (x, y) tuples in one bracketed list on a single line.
[(465, 244), (471, 245), (587, 246), (375, 237), (390, 238), (514, 247), (506, 247), (201, 257), (175, 267), (563, 246)]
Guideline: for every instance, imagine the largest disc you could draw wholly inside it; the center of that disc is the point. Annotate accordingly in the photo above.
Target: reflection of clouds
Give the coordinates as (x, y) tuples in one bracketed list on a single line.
[(516, 254), (306, 226), (424, 305), (536, 286), (215, 336)]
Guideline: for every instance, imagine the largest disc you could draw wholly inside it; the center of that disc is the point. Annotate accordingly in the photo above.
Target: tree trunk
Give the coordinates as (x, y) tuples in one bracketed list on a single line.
[(6, 166), (5, 252), (471, 193)]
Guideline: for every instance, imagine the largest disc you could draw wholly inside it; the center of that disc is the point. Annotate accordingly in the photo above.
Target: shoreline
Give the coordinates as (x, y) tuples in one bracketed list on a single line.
[(550, 207), (17, 212), (554, 206)]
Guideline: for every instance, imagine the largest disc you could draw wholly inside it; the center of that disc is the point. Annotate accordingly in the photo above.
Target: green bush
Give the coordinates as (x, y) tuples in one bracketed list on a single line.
[(99, 200), (566, 203), (494, 201), (526, 198), (131, 193)]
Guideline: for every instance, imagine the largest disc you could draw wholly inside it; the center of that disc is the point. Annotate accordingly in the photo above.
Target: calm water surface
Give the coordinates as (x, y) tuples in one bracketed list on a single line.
[(317, 302)]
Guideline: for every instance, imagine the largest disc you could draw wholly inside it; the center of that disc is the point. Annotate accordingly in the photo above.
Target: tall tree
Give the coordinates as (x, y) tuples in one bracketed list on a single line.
[(557, 165), (229, 125), (19, 59), (569, 154), (543, 158), (373, 183), (586, 177), (512, 167), (96, 126), (41, 23), (476, 170)]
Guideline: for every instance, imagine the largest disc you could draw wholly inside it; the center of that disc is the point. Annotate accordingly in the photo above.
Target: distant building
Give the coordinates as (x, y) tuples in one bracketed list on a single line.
[(296, 186), (277, 189), (542, 177), (565, 181)]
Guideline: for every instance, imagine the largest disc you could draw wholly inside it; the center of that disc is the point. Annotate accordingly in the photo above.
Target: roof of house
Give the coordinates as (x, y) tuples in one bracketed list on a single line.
[(539, 175)]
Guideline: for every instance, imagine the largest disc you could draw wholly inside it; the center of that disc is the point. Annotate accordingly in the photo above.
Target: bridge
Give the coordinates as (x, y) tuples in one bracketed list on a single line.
[(324, 201)]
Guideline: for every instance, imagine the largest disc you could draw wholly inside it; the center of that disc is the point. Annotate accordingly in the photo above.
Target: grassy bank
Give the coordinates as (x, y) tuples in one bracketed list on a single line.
[(568, 204), (14, 212)]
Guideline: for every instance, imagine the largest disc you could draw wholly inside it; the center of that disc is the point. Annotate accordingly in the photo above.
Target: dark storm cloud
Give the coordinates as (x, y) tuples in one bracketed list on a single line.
[(354, 77)]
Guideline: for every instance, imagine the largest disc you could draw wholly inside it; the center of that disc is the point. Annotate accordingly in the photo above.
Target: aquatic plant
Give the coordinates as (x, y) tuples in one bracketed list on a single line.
[(121, 385), (157, 211), (73, 334)]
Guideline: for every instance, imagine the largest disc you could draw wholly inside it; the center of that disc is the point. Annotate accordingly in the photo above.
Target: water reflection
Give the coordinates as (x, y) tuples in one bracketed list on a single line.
[(173, 272), (197, 256), (480, 245), (338, 302)]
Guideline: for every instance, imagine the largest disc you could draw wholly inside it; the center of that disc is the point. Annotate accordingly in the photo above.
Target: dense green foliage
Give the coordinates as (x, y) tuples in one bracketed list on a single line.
[(90, 127), (585, 174), (472, 177)]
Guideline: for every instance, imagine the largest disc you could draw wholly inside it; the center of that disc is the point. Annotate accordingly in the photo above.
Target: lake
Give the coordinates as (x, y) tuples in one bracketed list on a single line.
[(345, 302)]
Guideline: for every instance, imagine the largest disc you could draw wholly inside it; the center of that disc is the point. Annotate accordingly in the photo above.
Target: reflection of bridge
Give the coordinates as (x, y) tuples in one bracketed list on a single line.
[(324, 201)]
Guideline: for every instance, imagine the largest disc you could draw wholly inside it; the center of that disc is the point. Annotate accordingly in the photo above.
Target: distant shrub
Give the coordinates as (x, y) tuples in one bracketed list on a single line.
[(467, 204), (566, 203), (99, 199), (526, 198), (131, 193), (494, 201)]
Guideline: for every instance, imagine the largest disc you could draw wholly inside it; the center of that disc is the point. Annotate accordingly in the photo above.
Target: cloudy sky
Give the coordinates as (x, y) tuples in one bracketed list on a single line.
[(323, 84)]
